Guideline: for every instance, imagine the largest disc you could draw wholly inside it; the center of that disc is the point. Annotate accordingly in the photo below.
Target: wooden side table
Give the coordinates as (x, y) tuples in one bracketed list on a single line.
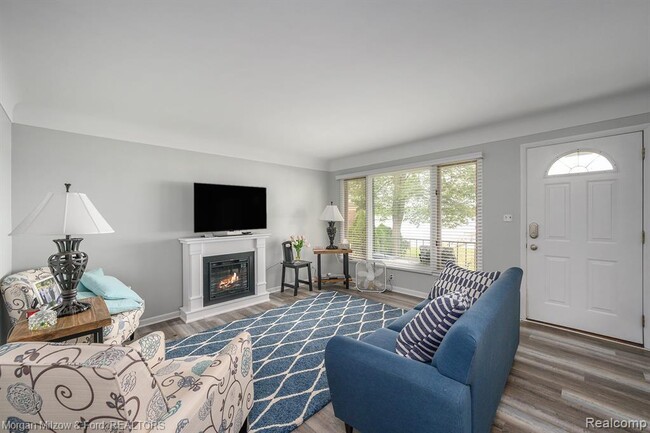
[(346, 265), (90, 322)]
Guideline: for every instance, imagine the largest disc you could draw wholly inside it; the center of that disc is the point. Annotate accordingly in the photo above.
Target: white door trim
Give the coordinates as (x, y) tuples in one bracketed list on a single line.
[(645, 130), (646, 251)]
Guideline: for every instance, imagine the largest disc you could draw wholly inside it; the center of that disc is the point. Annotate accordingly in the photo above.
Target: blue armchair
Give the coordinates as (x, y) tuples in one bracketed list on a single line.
[(374, 390)]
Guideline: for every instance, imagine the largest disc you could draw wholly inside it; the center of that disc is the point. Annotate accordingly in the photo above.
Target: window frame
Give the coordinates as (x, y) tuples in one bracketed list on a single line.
[(344, 211), (434, 205), (585, 150)]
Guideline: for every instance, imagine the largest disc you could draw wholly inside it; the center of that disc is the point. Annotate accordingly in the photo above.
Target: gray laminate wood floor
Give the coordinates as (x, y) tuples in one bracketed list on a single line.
[(558, 380)]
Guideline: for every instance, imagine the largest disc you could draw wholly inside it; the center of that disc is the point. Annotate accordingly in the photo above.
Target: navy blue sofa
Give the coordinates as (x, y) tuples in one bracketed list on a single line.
[(374, 390)]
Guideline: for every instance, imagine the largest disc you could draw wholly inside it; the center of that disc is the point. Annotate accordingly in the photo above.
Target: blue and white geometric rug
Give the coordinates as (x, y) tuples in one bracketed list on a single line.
[(288, 353)]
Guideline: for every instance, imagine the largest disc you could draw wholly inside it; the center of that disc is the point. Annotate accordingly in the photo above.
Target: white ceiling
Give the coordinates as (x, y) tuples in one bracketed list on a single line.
[(301, 82)]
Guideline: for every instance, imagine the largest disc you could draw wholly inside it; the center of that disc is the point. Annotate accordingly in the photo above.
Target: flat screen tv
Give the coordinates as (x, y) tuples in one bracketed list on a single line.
[(228, 208)]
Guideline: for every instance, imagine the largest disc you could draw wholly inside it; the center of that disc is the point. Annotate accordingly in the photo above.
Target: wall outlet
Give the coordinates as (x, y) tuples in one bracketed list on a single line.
[(507, 218), (390, 277)]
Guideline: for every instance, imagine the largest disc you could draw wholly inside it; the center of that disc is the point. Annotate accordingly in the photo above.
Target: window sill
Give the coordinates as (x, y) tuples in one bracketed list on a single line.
[(424, 269), (417, 269)]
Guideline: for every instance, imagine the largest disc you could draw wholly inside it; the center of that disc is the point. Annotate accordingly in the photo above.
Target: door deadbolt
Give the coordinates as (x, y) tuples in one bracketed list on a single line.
[(533, 247), (533, 230)]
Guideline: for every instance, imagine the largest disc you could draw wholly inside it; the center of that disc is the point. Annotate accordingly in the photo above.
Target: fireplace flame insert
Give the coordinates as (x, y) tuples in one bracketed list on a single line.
[(227, 277)]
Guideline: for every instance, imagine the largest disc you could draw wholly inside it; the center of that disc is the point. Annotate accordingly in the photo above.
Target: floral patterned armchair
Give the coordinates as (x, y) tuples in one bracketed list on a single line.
[(18, 293), (96, 388)]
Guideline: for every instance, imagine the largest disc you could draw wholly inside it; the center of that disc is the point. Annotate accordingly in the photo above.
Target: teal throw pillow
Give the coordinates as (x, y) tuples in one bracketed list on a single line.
[(108, 287), (81, 288)]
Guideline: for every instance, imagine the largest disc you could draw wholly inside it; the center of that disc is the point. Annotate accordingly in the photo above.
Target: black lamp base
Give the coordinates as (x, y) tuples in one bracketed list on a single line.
[(67, 266), (331, 233), (69, 308)]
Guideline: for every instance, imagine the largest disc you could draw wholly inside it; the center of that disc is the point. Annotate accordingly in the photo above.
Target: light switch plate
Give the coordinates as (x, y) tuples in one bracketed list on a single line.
[(507, 218)]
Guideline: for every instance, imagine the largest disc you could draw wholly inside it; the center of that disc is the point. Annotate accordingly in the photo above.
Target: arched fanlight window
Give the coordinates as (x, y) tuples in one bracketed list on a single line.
[(580, 161)]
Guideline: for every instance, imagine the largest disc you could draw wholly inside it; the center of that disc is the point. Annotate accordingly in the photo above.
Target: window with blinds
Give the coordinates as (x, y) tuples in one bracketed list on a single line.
[(457, 215), (401, 216), (416, 219), (354, 205)]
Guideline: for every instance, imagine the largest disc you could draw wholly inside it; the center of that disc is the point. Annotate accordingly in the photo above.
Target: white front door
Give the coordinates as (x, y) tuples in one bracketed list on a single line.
[(585, 264)]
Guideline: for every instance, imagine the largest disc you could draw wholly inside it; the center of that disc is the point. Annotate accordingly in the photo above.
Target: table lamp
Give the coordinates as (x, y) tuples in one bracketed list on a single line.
[(69, 213), (331, 214)]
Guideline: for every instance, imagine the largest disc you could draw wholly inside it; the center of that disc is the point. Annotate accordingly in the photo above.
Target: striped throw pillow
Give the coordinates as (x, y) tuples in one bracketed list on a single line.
[(422, 336), (471, 284)]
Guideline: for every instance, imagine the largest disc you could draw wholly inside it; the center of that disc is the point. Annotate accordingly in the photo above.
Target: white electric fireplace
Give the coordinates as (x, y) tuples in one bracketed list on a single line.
[(222, 274)]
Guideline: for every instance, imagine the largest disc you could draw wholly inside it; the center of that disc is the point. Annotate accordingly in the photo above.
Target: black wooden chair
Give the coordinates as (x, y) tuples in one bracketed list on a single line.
[(296, 265)]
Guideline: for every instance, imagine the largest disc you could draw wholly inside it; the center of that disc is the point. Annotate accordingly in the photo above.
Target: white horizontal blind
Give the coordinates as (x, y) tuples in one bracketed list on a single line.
[(416, 218), (458, 215), (354, 208), (401, 220), (479, 214)]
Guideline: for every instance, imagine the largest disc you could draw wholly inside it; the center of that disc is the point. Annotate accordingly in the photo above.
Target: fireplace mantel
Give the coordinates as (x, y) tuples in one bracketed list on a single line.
[(195, 249)]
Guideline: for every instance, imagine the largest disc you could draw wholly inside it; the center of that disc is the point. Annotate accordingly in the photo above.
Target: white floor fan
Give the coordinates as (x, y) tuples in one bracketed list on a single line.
[(371, 276)]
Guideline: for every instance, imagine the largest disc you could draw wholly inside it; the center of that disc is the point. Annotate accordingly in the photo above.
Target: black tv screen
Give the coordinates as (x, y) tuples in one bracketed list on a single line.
[(228, 208)]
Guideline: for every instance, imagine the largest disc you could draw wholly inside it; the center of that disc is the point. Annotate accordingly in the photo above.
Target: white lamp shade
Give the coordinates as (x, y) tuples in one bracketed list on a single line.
[(331, 213), (68, 213)]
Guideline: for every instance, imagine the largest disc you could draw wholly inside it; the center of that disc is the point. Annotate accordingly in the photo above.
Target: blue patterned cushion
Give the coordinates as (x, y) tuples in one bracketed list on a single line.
[(471, 284), (422, 336)]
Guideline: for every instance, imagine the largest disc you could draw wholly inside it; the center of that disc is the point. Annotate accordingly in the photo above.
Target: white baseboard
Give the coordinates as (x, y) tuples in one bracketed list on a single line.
[(410, 292), (160, 318), (402, 290), (302, 286)]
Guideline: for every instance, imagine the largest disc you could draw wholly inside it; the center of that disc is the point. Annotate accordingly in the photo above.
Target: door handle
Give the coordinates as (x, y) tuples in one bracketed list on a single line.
[(533, 247), (533, 230)]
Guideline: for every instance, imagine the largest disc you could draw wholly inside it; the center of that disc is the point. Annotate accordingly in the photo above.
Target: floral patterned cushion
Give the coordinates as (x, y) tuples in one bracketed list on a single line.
[(18, 294), (220, 394), (96, 386), (123, 326), (173, 375), (151, 347), (110, 388)]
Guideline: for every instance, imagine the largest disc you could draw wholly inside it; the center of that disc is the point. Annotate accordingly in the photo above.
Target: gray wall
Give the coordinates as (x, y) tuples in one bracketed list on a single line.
[(5, 209), (501, 194), (145, 193)]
